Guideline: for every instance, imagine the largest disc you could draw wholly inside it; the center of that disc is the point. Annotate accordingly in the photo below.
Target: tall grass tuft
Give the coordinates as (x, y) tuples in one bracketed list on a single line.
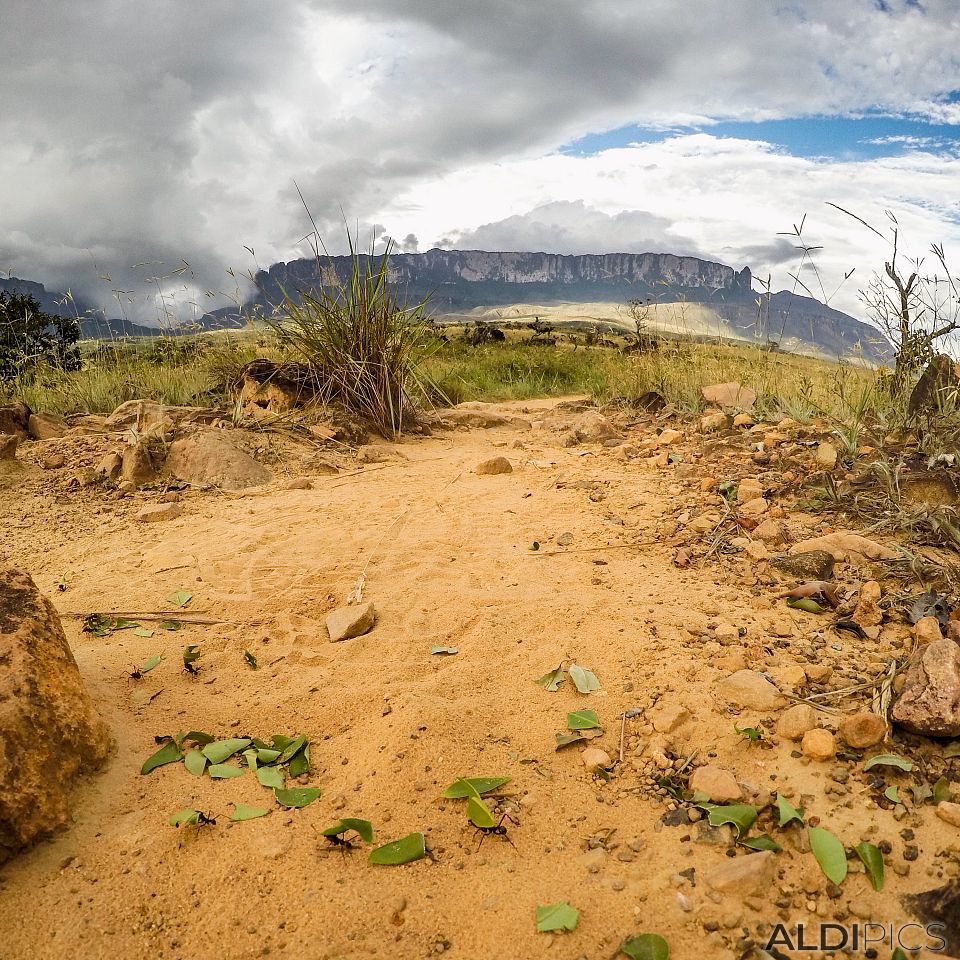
[(363, 347)]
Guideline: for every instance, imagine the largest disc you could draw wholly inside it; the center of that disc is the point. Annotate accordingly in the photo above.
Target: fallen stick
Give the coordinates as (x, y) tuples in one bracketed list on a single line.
[(148, 615)]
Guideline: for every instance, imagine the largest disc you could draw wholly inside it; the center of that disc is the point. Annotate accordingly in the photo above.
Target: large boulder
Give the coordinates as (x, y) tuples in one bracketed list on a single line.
[(50, 732), (930, 702), (146, 416), (15, 419), (207, 458)]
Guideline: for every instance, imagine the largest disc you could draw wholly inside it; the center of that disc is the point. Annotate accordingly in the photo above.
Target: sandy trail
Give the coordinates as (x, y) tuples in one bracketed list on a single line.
[(447, 559)]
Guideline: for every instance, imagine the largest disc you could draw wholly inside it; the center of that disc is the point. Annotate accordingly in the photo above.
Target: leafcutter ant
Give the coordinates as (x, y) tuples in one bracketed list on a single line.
[(337, 834), (499, 830), (135, 674)]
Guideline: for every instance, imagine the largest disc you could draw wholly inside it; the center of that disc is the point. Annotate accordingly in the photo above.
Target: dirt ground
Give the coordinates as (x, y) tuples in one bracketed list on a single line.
[(447, 559)]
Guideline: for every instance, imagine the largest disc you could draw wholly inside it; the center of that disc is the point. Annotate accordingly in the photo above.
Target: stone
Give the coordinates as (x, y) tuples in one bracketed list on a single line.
[(15, 419), (949, 812), (795, 721), (206, 457), (743, 420), (750, 690), (109, 467), (492, 467), (593, 757), (927, 630), (862, 730), (137, 464), (818, 672), (45, 426), (146, 416), (297, 483), (770, 532), (843, 545), (474, 416), (729, 395), (754, 508), (819, 744), (718, 784), (590, 427), (49, 730), (930, 701), (806, 565), (353, 621), (789, 676), (826, 455), (743, 876), (8, 446), (668, 437), (158, 511), (669, 717), (749, 488), (868, 612), (757, 550), (715, 422)]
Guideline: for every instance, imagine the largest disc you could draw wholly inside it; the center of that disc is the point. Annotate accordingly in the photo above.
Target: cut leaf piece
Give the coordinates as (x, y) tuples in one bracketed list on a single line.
[(250, 755), (168, 625), (787, 812), (557, 916), (892, 795), (300, 764), (551, 681), (168, 753), (151, 663), (292, 748), (198, 736), (829, 853), (180, 599), (805, 603), (270, 777), (763, 842), (872, 859), (648, 946), (221, 750), (266, 755), (436, 648), (741, 815), (224, 771), (467, 786), (582, 720), (941, 790), (406, 850), (250, 658), (888, 760), (296, 797), (243, 811), (565, 739), (478, 813), (583, 679), (362, 827), (143, 632), (184, 818), (195, 762)]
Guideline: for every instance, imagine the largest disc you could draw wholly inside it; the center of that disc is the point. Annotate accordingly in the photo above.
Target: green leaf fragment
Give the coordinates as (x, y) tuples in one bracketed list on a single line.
[(265, 754), (648, 946), (763, 842), (168, 625), (221, 750), (224, 771), (250, 658), (557, 916), (191, 653), (296, 797), (180, 599), (941, 790), (250, 755), (888, 760), (582, 720), (478, 813), (198, 736), (787, 812), (243, 811), (551, 680), (151, 663), (300, 764), (363, 827), (406, 850), (892, 795), (436, 648), (741, 815), (270, 777), (583, 679), (168, 753), (829, 853), (806, 604), (195, 762), (292, 749), (872, 859), (143, 632), (467, 786), (184, 818)]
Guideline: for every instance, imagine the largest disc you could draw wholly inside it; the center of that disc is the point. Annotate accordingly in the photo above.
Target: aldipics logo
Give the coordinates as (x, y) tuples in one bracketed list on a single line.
[(907, 938)]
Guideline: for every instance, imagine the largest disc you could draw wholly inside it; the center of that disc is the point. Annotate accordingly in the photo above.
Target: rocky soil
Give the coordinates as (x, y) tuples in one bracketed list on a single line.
[(660, 554)]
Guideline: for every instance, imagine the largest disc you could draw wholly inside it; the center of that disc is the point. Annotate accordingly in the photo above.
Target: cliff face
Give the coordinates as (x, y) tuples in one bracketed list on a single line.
[(467, 278)]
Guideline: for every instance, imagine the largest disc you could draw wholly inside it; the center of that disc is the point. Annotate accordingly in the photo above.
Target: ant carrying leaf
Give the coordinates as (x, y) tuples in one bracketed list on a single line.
[(191, 653), (336, 835), (191, 818), (480, 816)]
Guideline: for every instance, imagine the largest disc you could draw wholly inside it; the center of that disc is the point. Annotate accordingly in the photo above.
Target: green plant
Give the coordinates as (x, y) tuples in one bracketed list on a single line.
[(29, 337), (363, 347)]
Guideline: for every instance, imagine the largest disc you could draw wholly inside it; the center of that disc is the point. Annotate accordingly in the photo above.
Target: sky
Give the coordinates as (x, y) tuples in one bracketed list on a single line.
[(153, 155)]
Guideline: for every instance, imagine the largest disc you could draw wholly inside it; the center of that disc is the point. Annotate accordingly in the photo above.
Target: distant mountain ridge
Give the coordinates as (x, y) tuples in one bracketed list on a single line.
[(460, 280)]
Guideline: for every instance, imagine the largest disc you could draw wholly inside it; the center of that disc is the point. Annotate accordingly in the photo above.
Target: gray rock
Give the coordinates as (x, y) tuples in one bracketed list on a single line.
[(813, 565), (349, 622), (930, 702)]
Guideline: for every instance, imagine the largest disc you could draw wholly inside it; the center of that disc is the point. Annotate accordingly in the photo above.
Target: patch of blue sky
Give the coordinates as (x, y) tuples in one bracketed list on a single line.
[(835, 138)]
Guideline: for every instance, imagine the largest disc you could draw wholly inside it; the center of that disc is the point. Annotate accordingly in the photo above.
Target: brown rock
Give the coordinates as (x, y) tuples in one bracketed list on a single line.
[(749, 488), (591, 427), (110, 466), (476, 416), (754, 508), (45, 426), (594, 757), (745, 875), (743, 420), (812, 565), (927, 630), (492, 467), (818, 672), (930, 702), (949, 812), (8, 446), (729, 395), (819, 744), (862, 730), (770, 532), (49, 730), (297, 483), (868, 612), (15, 419), (718, 784), (826, 455), (206, 457), (349, 622), (796, 721), (749, 689), (158, 511), (137, 464), (843, 545), (715, 422), (667, 718), (145, 416)]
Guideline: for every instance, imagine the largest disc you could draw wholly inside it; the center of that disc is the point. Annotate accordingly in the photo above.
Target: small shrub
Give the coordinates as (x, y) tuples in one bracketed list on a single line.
[(30, 338)]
